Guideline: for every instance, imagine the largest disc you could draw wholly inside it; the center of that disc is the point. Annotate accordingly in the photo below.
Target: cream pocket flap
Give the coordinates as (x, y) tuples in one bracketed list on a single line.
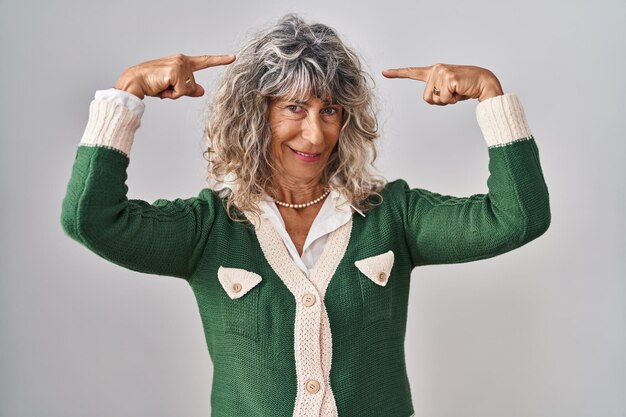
[(237, 282), (377, 268)]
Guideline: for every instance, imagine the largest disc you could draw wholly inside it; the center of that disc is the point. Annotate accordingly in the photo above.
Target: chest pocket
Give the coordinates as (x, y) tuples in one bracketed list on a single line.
[(377, 295), (240, 304)]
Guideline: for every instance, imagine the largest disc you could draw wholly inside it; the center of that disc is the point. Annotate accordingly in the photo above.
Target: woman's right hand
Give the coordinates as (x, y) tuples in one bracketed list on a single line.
[(169, 77)]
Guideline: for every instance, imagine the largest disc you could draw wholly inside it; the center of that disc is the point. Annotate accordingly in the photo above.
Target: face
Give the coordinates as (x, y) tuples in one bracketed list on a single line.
[(304, 134)]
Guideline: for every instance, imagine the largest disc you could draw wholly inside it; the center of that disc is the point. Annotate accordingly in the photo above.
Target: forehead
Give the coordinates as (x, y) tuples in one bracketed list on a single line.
[(303, 88)]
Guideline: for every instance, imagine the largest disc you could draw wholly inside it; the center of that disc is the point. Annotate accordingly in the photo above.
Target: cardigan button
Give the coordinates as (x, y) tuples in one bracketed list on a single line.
[(382, 277), (308, 299), (236, 287), (312, 386)]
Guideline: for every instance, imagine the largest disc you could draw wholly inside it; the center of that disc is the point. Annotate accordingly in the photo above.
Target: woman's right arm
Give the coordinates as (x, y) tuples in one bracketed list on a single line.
[(166, 237)]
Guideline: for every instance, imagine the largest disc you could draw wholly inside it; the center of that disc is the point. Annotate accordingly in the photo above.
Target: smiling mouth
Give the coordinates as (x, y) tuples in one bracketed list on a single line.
[(306, 155)]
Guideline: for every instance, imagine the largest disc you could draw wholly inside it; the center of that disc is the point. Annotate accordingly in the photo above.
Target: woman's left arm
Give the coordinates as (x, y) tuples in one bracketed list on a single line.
[(446, 229)]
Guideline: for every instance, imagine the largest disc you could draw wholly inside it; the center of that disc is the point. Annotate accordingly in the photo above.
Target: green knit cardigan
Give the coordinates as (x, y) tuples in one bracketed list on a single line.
[(284, 344)]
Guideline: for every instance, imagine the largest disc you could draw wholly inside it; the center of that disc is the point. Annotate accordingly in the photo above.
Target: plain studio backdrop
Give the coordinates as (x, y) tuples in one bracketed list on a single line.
[(539, 331)]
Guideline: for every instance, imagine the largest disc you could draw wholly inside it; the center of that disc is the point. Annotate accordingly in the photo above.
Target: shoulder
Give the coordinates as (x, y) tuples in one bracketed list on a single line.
[(394, 195), (394, 192), (213, 200), (395, 187), (208, 196), (400, 198), (217, 203)]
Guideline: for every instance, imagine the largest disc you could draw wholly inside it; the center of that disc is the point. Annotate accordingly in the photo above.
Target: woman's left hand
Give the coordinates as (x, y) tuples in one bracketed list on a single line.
[(449, 84)]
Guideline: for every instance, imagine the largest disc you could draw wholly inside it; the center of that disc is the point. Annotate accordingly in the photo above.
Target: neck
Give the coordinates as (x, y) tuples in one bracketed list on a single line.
[(296, 192)]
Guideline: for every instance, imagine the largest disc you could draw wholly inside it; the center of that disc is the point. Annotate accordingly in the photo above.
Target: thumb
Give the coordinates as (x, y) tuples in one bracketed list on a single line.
[(198, 92)]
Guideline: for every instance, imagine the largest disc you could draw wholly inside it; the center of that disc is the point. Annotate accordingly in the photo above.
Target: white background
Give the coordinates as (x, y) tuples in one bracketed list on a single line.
[(540, 331)]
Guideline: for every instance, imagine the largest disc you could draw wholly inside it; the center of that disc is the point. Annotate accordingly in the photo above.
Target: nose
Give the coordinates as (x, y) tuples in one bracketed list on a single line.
[(312, 130)]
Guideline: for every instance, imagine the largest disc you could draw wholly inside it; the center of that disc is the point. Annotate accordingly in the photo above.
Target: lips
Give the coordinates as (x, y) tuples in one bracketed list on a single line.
[(308, 157)]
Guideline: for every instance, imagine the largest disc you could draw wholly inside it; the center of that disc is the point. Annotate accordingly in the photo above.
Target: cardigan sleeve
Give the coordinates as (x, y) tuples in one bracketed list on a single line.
[(163, 238), (444, 229)]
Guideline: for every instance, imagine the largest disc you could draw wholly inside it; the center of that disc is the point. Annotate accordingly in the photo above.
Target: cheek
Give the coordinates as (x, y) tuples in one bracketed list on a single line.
[(277, 135), (276, 148), (283, 130), (332, 136)]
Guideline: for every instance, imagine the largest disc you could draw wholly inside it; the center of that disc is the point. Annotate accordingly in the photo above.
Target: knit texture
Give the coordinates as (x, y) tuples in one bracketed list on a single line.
[(312, 334), (502, 120), (270, 342), (110, 125)]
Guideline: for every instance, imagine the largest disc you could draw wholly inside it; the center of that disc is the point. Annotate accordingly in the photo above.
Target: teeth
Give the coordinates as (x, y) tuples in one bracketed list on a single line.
[(306, 154)]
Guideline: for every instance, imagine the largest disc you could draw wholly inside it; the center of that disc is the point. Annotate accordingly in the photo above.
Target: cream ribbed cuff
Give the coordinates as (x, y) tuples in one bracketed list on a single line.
[(110, 125), (122, 97), (502, 120)]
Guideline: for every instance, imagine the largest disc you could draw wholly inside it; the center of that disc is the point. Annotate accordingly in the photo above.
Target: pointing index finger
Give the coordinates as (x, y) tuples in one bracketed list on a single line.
[(206, 61), (414, 73)]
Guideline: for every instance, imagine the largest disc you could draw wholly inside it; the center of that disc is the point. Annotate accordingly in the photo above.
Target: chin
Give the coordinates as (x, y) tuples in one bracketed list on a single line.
[(305, 173)]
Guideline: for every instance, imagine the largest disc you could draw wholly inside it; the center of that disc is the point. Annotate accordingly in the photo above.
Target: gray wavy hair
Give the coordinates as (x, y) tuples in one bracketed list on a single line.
[(291, 60)]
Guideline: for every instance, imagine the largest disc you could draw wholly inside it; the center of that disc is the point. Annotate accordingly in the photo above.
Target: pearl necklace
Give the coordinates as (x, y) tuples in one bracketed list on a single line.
[(303, 205)]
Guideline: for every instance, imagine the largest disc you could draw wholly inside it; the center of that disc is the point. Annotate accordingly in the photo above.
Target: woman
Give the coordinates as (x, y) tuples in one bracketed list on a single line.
[(299, 257)]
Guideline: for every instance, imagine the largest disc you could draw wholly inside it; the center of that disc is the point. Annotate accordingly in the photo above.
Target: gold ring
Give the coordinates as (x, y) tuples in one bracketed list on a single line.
[(436, 91), (188, 81)]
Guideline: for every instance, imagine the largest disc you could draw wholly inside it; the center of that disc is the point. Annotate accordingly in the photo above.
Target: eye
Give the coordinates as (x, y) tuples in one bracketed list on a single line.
[(294, 108), (330, 110)]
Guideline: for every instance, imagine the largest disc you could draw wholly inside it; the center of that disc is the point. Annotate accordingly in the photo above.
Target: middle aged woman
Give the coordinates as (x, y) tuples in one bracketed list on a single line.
[(300, 258)]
